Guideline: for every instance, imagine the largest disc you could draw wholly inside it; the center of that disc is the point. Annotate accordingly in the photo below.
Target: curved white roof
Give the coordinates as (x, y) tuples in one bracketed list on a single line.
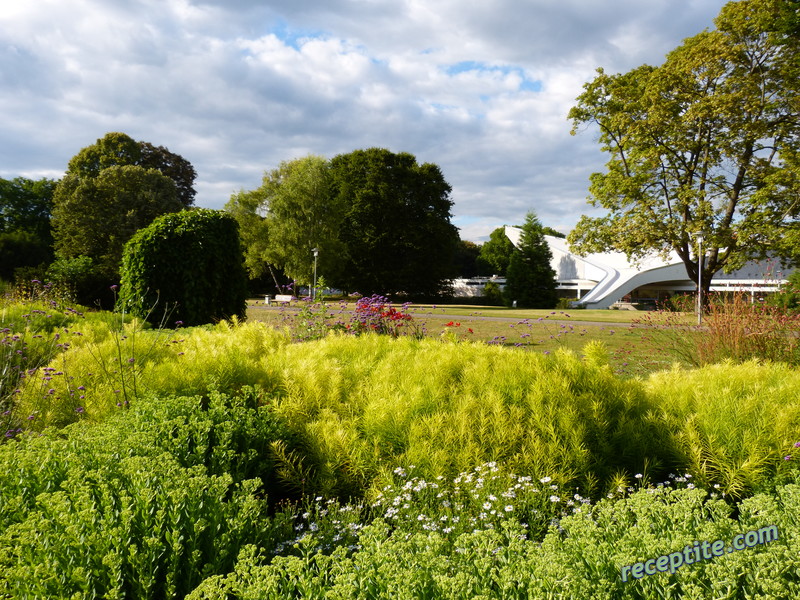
[(610, 275)]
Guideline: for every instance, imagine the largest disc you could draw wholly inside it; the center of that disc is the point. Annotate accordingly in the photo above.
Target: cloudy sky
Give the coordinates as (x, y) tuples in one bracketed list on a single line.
[(480, 87)]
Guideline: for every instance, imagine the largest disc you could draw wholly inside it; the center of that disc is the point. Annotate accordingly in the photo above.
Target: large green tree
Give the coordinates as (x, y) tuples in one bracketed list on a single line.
[(495, 253), (287, 217), (706, 143), (111, 189), (396, 227), (96, 216), (25, 209), (117, 149), (530, 279)]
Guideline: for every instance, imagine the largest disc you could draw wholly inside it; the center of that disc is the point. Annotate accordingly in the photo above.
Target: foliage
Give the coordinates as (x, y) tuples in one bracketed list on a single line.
[(253, 229), (788, 297), (466, 259), (399, 238), (30, 337), (731, 424), (734, 328), (21, 249), (302, 214), (25, 205), (173, 166), (96, 216), (25, 238), (530, 280), (113, 360), (146, 505), (493, 294), (495, 254), (112, 189), (581, 557), (706, 143), (186, 267), (118, 149), (79, 278)]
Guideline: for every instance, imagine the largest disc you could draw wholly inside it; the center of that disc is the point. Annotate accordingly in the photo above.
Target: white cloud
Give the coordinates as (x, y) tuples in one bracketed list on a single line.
[(237, 86)]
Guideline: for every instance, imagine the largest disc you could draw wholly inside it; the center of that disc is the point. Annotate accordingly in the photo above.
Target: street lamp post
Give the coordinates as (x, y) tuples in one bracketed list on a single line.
[(315, 251), (699, 277)]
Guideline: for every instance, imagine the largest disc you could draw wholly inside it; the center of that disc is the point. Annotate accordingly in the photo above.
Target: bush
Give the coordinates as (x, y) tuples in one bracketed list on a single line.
[(145, 505), (186, 267), (581, 557)]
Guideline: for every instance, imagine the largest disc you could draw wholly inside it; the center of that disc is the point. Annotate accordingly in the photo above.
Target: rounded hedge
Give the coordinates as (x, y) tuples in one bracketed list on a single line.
[(185, 267)]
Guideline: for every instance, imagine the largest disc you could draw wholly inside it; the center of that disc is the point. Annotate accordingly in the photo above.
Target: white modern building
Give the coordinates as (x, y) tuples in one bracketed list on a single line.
[(609, 278)]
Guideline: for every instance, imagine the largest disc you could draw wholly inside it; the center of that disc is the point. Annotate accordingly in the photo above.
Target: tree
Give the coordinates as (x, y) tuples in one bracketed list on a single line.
[(705, 144), (111, 189), (466, 260), (530, 280), (397, 228), (25, 238), (173, 166), (186, 266), (118, 149), (289, 215), (496, 253), (96, 216)]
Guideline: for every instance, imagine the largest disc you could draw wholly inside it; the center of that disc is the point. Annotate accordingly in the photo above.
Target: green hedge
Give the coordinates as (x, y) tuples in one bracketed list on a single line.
[(185, 267)]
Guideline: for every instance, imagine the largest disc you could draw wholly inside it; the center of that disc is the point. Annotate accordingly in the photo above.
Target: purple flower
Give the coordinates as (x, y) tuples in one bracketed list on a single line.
[(114, 287), (787, 457), (79, 410), (797, 444)]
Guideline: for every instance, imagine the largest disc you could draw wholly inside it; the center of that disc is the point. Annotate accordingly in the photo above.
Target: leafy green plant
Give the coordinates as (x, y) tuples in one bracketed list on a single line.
[(187, 267), (145, 505)]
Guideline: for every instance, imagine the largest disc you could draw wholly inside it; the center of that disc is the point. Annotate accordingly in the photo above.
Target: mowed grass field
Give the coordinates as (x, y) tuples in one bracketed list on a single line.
[(633, 347)]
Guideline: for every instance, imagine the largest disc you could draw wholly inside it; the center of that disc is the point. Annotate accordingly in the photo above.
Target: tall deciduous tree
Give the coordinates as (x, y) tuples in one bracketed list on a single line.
[(496, 253), (111, 189), (25, 238), (96, 216), (119, 149), (705, 144), (289, 215), (396, 227), (530, 279)]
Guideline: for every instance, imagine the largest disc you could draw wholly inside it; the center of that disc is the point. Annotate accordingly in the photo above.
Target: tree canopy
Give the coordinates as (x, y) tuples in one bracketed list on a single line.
[(530, 279), (380, 221), (118, 149), (25, 238), (397, 228), (111, 189), (96, 216), (495, 254), (706, 143)]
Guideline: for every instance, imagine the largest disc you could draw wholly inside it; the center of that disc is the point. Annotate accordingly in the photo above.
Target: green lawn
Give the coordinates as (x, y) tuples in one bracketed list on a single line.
[(632, 350)]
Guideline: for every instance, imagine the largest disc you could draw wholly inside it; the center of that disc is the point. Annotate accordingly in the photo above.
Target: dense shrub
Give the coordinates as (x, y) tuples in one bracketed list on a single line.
[(186, 267), (581, 557), (145, 505)]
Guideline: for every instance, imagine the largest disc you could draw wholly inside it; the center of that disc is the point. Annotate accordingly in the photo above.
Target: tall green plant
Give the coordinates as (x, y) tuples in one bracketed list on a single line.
[(185, 267)]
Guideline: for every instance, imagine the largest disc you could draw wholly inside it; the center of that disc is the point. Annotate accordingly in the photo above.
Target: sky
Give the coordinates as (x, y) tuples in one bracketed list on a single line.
[(481, 88)]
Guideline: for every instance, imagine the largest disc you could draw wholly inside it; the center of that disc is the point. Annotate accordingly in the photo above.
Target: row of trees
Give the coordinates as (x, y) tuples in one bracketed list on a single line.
[(379, 221)]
